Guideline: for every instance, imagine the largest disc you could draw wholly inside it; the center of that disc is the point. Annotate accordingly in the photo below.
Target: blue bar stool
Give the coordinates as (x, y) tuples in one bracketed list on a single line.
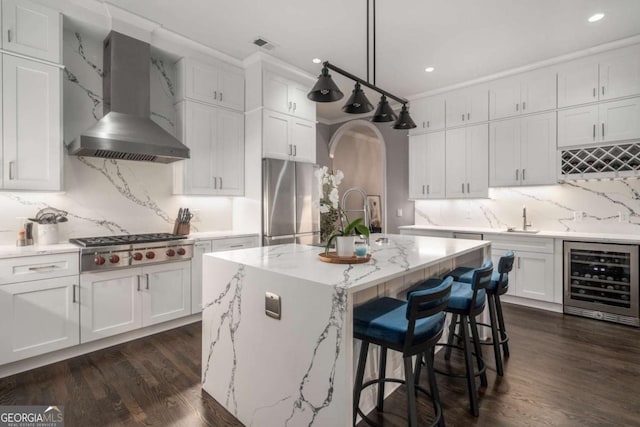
[(499, 286), (467, 302), (411, 328)]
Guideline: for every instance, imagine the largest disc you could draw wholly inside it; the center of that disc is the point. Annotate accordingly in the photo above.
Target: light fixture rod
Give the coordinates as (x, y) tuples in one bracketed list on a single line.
[(364, 83)]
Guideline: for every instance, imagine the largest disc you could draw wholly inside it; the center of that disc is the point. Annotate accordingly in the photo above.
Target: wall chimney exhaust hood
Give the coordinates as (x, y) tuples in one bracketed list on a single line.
[(126, 131)]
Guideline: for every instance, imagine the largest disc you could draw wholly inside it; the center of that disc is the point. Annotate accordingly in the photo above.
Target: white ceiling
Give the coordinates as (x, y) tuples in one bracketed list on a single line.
[(462, 39)]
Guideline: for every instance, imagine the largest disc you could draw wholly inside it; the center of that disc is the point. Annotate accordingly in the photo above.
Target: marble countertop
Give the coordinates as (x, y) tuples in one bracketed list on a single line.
[(208, 235), (12, 251), (401, 255), (567, 235)]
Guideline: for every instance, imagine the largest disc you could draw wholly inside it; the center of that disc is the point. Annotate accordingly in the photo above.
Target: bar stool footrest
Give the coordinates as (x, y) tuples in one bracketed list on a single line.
[(452, 375)]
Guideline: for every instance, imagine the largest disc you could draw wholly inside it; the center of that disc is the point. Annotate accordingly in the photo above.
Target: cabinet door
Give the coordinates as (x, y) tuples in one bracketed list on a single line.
[(38, 317), (200, 131), (301, 106), (434, 165), (199, 249), (435, 113), (534, 275), (477, 161), (231, 89), (31, 29), (456, 108), (418, 166), (303, 140), (275, 136), (229, 153), (31, 125), (455, 162), (538, 149), (504, 98), (578, 83), (109, 303), (619, 120), (418, 109), (578, 126), (167, 292), (202, 82), (620, 74), (538, 91), (477, 104), (504, 153), (276, 93)]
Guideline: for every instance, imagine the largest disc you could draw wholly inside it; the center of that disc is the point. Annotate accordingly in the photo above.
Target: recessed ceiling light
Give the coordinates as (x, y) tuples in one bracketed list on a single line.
[(316, 60), (596, 17), (429, 69)]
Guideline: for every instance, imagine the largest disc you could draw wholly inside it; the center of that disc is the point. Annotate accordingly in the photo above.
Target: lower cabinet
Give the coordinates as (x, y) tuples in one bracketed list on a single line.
[(37, 317), (115, 302)]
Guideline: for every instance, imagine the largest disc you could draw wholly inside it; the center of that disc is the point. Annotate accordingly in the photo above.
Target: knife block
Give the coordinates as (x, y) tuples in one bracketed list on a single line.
[(181, 228)]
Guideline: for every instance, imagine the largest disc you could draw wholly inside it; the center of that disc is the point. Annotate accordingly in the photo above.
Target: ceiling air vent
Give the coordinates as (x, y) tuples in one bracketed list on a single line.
[(263, 43)]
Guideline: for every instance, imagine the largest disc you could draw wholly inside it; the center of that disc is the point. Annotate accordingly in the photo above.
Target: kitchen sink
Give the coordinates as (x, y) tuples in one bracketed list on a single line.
[(520, 230)]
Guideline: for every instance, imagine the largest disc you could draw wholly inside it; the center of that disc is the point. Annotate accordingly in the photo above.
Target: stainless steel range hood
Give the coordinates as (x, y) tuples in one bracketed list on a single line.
[(126, 130)]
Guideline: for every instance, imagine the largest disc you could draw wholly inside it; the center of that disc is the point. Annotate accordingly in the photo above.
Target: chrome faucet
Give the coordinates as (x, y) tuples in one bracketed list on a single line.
[(524, 219)]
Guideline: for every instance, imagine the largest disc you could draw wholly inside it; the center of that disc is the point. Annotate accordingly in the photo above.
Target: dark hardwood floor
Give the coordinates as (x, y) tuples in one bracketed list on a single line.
[(563, 371)]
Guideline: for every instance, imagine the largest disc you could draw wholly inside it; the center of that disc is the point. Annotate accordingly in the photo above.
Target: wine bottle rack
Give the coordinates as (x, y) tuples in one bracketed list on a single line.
[(611, 161)]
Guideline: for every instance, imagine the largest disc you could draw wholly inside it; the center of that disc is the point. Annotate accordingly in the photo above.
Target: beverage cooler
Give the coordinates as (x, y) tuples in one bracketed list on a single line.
[(601, 281)]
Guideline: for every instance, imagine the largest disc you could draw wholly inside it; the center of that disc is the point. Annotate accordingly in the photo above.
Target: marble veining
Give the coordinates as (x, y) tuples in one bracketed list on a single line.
[(159, 65), (94, 98), (80, 51), (164, 118)]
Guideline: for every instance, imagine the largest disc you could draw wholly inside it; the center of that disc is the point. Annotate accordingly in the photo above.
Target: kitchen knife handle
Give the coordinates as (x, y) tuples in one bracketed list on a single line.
[(147, 280)]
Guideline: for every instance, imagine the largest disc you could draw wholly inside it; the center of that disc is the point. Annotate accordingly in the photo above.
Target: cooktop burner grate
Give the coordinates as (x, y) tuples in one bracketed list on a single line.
[(124, 239)]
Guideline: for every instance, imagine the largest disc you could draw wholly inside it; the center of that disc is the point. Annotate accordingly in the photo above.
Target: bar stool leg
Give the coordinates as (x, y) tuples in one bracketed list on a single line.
[(411, 396), (383, 374), (478, 349), (452, 332), (418, 369), (433, 385), (468, 361), (503, 331), (494, 335), (362, 360)]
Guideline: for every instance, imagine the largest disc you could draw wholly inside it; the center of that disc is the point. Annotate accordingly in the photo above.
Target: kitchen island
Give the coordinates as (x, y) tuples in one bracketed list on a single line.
[(298, 369)]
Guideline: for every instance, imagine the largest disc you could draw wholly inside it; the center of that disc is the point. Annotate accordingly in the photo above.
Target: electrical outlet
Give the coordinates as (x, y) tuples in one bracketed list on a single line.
[(623, 216), (196, 215), (579, 215), (399, 212)]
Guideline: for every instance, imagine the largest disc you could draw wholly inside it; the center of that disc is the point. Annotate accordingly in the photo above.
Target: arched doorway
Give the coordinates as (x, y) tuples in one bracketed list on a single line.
[(358, 149)]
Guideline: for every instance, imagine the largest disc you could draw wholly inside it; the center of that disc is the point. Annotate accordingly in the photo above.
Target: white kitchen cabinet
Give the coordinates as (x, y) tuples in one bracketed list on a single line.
[(289, 138), (522, 151), (32, 29), (31, 125), (467, 162), (604, 122), (607, 76), (37, 317), (428, 114), (287, 96), (215, 137), (216, 84), (467, 106), (167, 292), (427, 166), (522, 94), (216, 245)]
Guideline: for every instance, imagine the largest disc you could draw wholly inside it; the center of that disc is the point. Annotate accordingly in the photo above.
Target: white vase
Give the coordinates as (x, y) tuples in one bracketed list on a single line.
[(345, 246), (47, 234)]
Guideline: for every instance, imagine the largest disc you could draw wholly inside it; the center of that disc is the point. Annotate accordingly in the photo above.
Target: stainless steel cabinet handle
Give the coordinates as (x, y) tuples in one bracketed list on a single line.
[(74, 294), (423, 124), (290, 104), (147, 278), (517, 174), (11, 171), (220, 96), (517, 107), (295, 106), (43, 267), (220, 187), (236, 246), (428, 190), (290, 150), (523, 175), (9, 36), (215, 182), (463, 117), (215, 94), (463, 188), (428, 123), (524, 105), (602, 90), (602, 130), (518, 262), (594, 131), (468, 188), (594, 92), (138, 277), (468, 116), (422, 188), (295, 150)]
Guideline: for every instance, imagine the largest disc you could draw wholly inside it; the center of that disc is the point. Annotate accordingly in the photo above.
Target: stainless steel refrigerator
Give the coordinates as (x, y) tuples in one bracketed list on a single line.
[(290, 212)]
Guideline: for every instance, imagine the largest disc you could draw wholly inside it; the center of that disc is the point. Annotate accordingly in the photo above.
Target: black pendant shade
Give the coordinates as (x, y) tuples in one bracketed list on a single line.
[(325, 89), (404, 119), (384, 112), (358, 102)]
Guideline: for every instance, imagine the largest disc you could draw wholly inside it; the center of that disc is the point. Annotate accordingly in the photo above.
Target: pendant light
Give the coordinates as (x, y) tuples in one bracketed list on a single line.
[(404, 119), (325, 89), (358, 102), (384, 112)]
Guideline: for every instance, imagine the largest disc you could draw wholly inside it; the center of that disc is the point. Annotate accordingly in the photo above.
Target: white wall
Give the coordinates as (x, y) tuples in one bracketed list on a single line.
[(105, 197)]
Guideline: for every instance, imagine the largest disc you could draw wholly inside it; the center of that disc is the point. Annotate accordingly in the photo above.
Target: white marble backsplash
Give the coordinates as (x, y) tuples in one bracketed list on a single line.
[(105, 197), (592, 206)]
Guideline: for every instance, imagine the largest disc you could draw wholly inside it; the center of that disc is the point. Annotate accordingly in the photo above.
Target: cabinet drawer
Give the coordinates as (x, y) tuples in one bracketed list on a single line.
[(23, 269), (520, 243), (232, 243)]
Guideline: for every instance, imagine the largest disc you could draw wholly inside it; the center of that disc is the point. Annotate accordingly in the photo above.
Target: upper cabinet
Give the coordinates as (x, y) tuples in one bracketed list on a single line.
[(216, 84), (287, 96), (428, 114), (467, 106), (288, 138), (606, 76), (426, 166), (467, 162), (31, 125), (522, 94), (32, 30)]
